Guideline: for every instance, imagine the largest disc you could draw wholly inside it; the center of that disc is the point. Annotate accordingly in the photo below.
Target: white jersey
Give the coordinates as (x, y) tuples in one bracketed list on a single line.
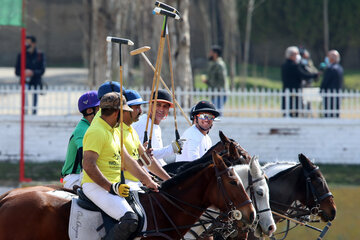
[(195, 146), (159, 150)]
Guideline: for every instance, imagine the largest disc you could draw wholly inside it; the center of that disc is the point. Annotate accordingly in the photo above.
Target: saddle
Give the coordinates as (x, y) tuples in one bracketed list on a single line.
[(109, 222)]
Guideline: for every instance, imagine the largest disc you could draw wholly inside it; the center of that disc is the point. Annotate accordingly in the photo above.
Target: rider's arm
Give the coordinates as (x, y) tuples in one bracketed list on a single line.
[(135, 169), (164, 152), (154, 167), (92, 170)]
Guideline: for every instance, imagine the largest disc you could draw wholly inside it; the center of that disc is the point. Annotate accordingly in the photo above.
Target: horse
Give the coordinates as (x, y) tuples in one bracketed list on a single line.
[(303, 183), (33, 213), (255, 182)]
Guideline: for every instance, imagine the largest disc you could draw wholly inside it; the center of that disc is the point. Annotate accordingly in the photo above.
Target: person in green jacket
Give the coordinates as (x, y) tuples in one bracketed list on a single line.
[(88, 105)]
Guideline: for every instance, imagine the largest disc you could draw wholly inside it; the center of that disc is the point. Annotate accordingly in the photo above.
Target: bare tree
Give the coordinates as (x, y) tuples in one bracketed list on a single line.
[(326, 26)]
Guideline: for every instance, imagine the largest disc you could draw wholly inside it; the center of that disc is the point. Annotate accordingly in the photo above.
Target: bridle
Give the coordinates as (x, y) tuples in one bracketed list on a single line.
[(251, 186), (224, 218)]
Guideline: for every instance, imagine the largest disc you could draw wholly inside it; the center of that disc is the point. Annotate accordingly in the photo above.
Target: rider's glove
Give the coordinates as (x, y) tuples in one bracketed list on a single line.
[(120, 189), (177, 145)]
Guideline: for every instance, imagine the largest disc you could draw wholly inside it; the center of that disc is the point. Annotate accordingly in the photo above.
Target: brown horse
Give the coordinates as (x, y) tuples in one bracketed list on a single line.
[(32, 213)]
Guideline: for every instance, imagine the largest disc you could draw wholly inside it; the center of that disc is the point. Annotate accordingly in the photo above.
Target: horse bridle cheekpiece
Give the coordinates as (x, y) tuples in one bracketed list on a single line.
[(233, 213), (310, 187)]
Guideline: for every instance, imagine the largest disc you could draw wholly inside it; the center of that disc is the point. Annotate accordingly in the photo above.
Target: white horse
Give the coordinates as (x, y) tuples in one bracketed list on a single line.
[(254, 181)]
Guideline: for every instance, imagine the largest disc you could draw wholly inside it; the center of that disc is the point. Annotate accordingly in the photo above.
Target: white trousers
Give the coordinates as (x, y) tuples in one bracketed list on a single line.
[(113, 205), (72, 179)]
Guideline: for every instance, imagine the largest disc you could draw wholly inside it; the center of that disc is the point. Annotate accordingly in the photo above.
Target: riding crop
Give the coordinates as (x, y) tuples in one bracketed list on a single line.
[(142, 51), (121, 41)]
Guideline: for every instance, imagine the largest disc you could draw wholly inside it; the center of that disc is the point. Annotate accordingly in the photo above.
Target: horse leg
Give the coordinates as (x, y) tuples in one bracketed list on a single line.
[(34, 215)]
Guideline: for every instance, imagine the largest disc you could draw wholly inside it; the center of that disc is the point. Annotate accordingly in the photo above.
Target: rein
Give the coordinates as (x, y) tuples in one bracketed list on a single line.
[(232, 213)]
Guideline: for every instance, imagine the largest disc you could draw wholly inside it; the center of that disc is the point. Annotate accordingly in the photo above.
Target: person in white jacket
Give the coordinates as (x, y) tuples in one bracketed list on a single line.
[(163, 104), (198, 141)]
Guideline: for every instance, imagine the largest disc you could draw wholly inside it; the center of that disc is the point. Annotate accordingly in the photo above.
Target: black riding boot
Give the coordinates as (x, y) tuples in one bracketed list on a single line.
[(126, 226)]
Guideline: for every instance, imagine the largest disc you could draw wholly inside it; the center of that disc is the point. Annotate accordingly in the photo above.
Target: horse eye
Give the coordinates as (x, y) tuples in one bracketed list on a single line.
[(233, 182), (260, 193)]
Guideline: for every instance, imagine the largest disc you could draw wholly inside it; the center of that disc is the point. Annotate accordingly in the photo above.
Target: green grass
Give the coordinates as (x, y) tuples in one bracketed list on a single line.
[(270, 77)]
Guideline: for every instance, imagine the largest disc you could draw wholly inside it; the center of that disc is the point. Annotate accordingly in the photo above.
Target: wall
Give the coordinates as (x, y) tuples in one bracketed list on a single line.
[(325, 140)]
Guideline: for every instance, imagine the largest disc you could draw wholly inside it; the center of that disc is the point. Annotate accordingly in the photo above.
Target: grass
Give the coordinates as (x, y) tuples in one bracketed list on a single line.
[(270, 77)]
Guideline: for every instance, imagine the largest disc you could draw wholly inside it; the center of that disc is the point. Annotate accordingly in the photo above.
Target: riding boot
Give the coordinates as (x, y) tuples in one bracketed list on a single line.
[(126, 226)]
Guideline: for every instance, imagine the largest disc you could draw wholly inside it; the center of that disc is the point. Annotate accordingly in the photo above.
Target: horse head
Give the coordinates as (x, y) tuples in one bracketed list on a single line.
[(232, 196), (318, 194), (259, 193)]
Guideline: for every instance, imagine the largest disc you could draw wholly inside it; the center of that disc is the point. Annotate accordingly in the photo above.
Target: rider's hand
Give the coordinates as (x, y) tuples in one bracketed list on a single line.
[(149, 183), (120, 189), (177, 145)]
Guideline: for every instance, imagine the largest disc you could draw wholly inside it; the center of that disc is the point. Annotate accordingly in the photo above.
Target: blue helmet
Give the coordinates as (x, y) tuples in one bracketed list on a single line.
[(88, 100), (133, 98), (107, 87)]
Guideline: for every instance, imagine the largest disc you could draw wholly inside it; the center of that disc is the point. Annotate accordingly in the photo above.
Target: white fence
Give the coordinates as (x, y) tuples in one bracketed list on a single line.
[(309, 103)]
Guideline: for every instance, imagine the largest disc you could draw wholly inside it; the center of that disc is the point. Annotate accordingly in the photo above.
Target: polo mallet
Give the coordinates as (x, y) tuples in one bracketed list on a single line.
[(121, 41), (322, 232), (142, 51), (167, 7), (177, 135), (166, 14)]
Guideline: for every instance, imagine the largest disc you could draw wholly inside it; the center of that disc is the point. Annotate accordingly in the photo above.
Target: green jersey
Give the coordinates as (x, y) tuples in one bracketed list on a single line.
[(74, 154)]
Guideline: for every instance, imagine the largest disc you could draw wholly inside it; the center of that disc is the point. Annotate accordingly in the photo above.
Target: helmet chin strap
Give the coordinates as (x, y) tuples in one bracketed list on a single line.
[(118, 120)]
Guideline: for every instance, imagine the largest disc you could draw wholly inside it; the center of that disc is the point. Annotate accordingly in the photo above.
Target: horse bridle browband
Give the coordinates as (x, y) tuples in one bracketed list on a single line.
[(230, 214)]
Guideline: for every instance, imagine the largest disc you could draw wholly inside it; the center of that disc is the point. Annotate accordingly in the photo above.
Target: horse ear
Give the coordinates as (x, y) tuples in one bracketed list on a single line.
[(305, 162), (233, 151), (223, 138), (219, 163), (254, 165)]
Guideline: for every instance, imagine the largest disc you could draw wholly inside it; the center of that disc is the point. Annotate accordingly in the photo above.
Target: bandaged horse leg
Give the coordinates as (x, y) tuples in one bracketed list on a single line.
[(126, 226)]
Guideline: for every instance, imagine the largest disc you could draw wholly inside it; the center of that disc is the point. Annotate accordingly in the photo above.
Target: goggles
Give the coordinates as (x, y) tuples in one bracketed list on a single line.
[(206, 116)]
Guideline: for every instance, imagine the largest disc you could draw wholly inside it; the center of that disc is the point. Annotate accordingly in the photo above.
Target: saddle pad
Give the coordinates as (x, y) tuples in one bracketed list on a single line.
[(63, 194), (83, 223)]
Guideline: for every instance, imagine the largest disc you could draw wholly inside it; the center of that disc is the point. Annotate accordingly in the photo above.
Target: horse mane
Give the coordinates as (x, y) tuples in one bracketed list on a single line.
[(285, 172), (204, 160), (185, 174)]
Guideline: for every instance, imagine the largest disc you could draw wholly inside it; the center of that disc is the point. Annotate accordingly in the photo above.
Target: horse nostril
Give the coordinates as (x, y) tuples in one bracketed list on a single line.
[(271, 228), (333, 213)]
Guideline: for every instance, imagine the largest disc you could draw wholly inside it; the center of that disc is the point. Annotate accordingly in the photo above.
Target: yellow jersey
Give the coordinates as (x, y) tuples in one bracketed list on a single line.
[(105, 141), (131, 143)]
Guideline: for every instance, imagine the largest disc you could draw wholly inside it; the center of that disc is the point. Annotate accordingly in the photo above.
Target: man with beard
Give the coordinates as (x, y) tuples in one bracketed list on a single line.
[(133, 144), (163, 105), (198, 141)]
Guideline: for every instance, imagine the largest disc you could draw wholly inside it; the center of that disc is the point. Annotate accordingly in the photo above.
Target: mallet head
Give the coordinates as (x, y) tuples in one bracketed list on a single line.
[(119, 40), (140, 50)]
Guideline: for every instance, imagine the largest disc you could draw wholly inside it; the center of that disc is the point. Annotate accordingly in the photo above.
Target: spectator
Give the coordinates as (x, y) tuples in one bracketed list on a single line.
[(163, 105), (34, 69), (88, 105), (332, 82), (307, 64), (292, 75), (217, 76), (197, 138)]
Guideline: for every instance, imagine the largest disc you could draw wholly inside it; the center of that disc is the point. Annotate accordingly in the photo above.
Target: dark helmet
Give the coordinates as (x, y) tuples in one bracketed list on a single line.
[(107, 87), (88, 100), (191, 113), (205, 106), (164, 96)]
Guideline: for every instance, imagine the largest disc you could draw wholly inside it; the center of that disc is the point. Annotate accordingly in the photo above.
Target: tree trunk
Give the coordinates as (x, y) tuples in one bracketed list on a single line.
[(326, 26), (250, 10)]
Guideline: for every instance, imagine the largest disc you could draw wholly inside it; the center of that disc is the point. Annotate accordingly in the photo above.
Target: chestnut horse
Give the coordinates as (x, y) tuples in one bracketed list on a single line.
[(303, 183), (32, 213)]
